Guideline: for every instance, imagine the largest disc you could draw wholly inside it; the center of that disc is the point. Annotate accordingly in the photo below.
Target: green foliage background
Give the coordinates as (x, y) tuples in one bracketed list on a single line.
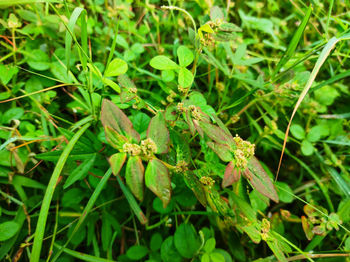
[(118, 124)]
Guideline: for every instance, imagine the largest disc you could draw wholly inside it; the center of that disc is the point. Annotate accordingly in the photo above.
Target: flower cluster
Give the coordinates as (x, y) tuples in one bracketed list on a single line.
[(243, 152)]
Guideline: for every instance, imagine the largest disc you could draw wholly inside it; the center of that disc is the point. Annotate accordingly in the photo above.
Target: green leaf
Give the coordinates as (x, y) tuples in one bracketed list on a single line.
[(11, 114), (80, 171), (158, 132), (116, 67), (117, 161), (285, 193), (6, 73), (217, 257), (168, 75), (8, 229), (185, 77), (185, 56), (115, 139), (307, 148), (158, 181), (168, 251), (229, 27), (39, 60), (132, 202), (297, 131), (259, 179), (186, 240), (209, 245), (156, 241), (197, 187), (111, 84), (158, 206), (295, 41), (137, 252), (162, 62), (140, 122), (315, 133), (205, 258), (216, 13), (134, 175), (223, 151), (113, 117), (326, 95)]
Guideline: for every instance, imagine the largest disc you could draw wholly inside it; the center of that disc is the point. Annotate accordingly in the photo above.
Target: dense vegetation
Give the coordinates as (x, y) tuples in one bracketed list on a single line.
[(174, 130)]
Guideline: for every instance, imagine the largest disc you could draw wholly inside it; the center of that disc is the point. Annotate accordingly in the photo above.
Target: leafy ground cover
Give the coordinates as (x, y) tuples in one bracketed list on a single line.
[(174, 130)]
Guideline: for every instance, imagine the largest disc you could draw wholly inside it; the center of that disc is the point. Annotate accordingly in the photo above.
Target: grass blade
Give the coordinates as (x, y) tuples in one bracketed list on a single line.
[(40, 228), (294, 42), (321, 59), (78, 11), (344, 187), (132, 202), (7, 3), (82, 256), (86, 210)]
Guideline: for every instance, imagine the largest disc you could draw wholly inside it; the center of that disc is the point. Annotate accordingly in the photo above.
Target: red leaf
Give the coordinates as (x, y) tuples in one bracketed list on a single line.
[(215, 133), (158, 181), (231, 175), (113, 117), (134, 176), (159, 133), (260, 180)]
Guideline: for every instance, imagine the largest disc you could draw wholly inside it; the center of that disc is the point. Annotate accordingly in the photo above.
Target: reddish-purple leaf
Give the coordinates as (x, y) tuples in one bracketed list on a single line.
[(222, 150), (159, 133), (158, 181), (134, 175), (198, 128), (113, 117), (231, 175), (215, 133), (258, 178), (188, 119), (117, 161)]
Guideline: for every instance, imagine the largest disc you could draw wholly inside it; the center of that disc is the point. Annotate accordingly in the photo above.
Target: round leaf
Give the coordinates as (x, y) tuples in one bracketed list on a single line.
[(185, 77), (137, 252), (285, 193), (210, 245), (168, 251), (307, 148), (297, 131), (315, 133), (185, 56), (162, 62), (39, 60), (156, 241), (186, 240), (116, 67)]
